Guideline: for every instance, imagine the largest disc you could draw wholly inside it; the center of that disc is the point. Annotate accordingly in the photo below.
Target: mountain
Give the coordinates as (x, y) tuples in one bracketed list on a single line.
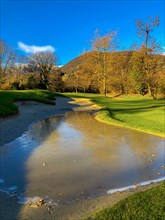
[(73, 64)]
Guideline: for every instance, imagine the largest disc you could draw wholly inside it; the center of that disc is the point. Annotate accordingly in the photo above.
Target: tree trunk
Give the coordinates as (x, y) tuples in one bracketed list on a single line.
[(105, 87), (149, 89), (104, 75)]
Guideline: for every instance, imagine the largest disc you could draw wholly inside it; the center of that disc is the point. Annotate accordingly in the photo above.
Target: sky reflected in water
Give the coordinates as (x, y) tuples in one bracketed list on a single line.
[(72, 156)]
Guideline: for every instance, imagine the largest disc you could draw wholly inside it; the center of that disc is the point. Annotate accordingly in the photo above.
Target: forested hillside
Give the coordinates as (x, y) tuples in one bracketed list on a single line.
[(126, 72)]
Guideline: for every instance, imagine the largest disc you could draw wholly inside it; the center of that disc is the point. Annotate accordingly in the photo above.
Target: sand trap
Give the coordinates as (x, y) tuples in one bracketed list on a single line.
[(31, 111)]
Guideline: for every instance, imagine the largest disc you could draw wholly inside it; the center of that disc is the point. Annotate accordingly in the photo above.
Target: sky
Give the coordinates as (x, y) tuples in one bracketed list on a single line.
[(67, 27)]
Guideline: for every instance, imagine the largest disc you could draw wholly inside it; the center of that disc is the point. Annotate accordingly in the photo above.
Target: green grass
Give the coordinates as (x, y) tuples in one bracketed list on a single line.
[(7, 99), (147, 205), (140, 113), (79, 95)]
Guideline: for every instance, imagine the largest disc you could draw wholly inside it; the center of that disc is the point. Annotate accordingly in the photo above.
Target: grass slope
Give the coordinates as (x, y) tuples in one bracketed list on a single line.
[(148, 204), (140, 113), (7, 99)]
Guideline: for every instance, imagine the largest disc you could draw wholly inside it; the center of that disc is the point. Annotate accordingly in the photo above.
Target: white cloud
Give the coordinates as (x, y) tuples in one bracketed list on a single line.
[(35, 49)]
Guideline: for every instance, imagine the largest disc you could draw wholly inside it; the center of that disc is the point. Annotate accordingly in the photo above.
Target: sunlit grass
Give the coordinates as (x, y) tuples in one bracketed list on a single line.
[(7, 99), (140, 113), (142, 205), (79, 95)]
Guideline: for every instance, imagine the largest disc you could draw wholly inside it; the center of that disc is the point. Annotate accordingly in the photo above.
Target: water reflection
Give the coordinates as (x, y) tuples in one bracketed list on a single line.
[(74, 155)]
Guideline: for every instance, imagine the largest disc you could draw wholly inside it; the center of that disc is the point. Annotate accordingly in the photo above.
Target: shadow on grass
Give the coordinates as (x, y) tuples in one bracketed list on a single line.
[(129, 105), (111, 114), (117, 109)]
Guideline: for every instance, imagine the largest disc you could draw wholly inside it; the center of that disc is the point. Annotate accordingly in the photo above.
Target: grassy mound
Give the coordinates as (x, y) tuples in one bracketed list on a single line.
[(7, 99)]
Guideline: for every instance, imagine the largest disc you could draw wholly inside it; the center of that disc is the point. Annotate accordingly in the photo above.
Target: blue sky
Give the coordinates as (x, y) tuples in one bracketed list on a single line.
[(67, 27)]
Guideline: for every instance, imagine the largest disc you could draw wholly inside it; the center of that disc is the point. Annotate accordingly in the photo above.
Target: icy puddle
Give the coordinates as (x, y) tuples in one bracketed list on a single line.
[(74, 157)]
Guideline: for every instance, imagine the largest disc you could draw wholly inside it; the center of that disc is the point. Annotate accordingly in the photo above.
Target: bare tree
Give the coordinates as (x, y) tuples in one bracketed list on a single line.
[(43, 63), (55, 81), (7, 60), (120, 80), (145, 28), (146, 65), (146, 61), (19, 69), (101, 46)]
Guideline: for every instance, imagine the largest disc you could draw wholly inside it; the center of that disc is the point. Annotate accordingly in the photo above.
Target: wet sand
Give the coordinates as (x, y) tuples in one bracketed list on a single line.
[(9, 207), (15, 126)]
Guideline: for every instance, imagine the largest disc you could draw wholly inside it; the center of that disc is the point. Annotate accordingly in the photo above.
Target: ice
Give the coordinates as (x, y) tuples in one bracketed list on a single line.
[(111, 191)]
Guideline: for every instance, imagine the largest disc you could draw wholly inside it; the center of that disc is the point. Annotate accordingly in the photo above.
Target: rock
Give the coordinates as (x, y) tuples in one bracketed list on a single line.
[(40, 202), (33, 205)]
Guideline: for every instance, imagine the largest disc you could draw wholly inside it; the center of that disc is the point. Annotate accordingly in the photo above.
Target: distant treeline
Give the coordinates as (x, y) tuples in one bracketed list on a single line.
[(125, 72), (102, 70)]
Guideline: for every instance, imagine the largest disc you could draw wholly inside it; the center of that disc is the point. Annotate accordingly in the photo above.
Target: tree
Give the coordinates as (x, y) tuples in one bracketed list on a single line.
[(18, 70), (145, 62), (101, 46), (120, 79), (71, 81), (145, 28), (146, 65), (85, 77), (43, 63), (7, 60), (55, 81), (21, 63)]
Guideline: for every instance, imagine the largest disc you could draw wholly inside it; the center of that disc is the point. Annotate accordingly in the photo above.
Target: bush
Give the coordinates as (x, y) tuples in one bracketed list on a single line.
[(15, 85)]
